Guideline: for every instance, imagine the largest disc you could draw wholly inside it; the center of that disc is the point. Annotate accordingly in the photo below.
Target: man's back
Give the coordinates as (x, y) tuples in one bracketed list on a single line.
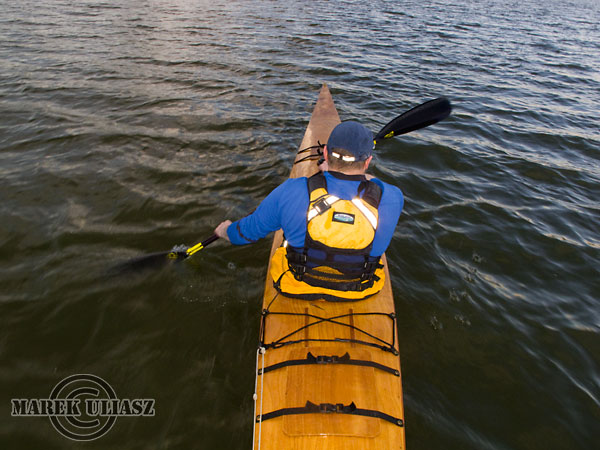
[(286, 207)]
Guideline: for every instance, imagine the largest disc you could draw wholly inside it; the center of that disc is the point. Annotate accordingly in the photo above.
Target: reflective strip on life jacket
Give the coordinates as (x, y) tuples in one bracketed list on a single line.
[(367, 213)]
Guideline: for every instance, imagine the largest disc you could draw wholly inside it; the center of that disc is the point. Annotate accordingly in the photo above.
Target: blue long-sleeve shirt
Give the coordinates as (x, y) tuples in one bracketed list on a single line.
[(287, 205)]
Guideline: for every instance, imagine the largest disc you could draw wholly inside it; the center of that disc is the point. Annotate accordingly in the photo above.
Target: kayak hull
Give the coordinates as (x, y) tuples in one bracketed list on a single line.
[(328, 373)]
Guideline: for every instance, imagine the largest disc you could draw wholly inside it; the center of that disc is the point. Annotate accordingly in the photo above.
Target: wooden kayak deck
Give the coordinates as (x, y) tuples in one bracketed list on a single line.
[(342, 358)]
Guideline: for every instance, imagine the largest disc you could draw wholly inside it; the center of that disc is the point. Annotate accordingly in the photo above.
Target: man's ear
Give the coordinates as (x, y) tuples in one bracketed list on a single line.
[(325, 155), (368, 161)]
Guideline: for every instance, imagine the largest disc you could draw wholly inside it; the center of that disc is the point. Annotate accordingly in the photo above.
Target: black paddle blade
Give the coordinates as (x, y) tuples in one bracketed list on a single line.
[(151, 261), (419, 117), (160, 259)]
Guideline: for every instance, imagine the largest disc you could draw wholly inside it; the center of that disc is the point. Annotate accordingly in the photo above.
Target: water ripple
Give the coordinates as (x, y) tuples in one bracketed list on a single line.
[(129, 128)]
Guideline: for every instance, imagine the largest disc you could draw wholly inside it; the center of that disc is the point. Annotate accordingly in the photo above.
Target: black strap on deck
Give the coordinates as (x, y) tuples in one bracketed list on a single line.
[(322, 359), (325, 408)]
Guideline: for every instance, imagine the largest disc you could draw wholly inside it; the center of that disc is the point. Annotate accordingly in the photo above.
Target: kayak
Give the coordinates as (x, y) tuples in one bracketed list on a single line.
[(328, 373)]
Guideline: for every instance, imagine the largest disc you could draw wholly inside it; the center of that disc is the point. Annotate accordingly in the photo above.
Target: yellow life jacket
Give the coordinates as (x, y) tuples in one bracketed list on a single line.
[(335, 263)]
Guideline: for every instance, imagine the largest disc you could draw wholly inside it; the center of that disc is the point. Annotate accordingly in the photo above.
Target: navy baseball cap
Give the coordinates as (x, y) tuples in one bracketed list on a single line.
[(353, 137)]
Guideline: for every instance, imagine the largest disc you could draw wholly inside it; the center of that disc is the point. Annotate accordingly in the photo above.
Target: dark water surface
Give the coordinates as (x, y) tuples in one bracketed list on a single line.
[(129, 126)]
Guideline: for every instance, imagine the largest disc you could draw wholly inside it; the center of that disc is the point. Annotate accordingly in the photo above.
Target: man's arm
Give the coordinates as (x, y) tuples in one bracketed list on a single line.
[(266, 218)]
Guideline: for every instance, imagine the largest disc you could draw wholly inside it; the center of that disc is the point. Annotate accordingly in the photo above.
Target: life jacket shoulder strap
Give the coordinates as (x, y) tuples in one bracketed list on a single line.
[(372, 193), (317, 181)]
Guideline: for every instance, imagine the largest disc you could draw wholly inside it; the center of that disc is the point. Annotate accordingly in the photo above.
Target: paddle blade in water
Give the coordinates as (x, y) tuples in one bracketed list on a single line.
[(419, 117), (151, 261), (161, 259)]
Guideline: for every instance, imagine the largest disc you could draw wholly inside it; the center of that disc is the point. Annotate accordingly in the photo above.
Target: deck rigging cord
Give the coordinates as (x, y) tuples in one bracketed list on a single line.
[(282, 341), (313, 156)]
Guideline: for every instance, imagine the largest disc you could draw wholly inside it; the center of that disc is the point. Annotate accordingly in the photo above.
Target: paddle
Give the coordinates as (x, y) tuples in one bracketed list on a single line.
[(156, 260), (416, 118)]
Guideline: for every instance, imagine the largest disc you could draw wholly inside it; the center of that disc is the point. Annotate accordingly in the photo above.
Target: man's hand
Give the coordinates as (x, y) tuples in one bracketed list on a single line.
[(221, 230)]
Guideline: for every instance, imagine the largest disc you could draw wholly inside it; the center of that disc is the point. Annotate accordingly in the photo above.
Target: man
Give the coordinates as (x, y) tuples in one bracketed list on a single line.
[(336, 224)]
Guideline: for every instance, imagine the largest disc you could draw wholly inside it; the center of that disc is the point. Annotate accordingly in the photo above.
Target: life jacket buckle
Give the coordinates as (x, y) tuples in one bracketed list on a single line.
[(372, 266), (321, 206), (298, 270), (296, 258)]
